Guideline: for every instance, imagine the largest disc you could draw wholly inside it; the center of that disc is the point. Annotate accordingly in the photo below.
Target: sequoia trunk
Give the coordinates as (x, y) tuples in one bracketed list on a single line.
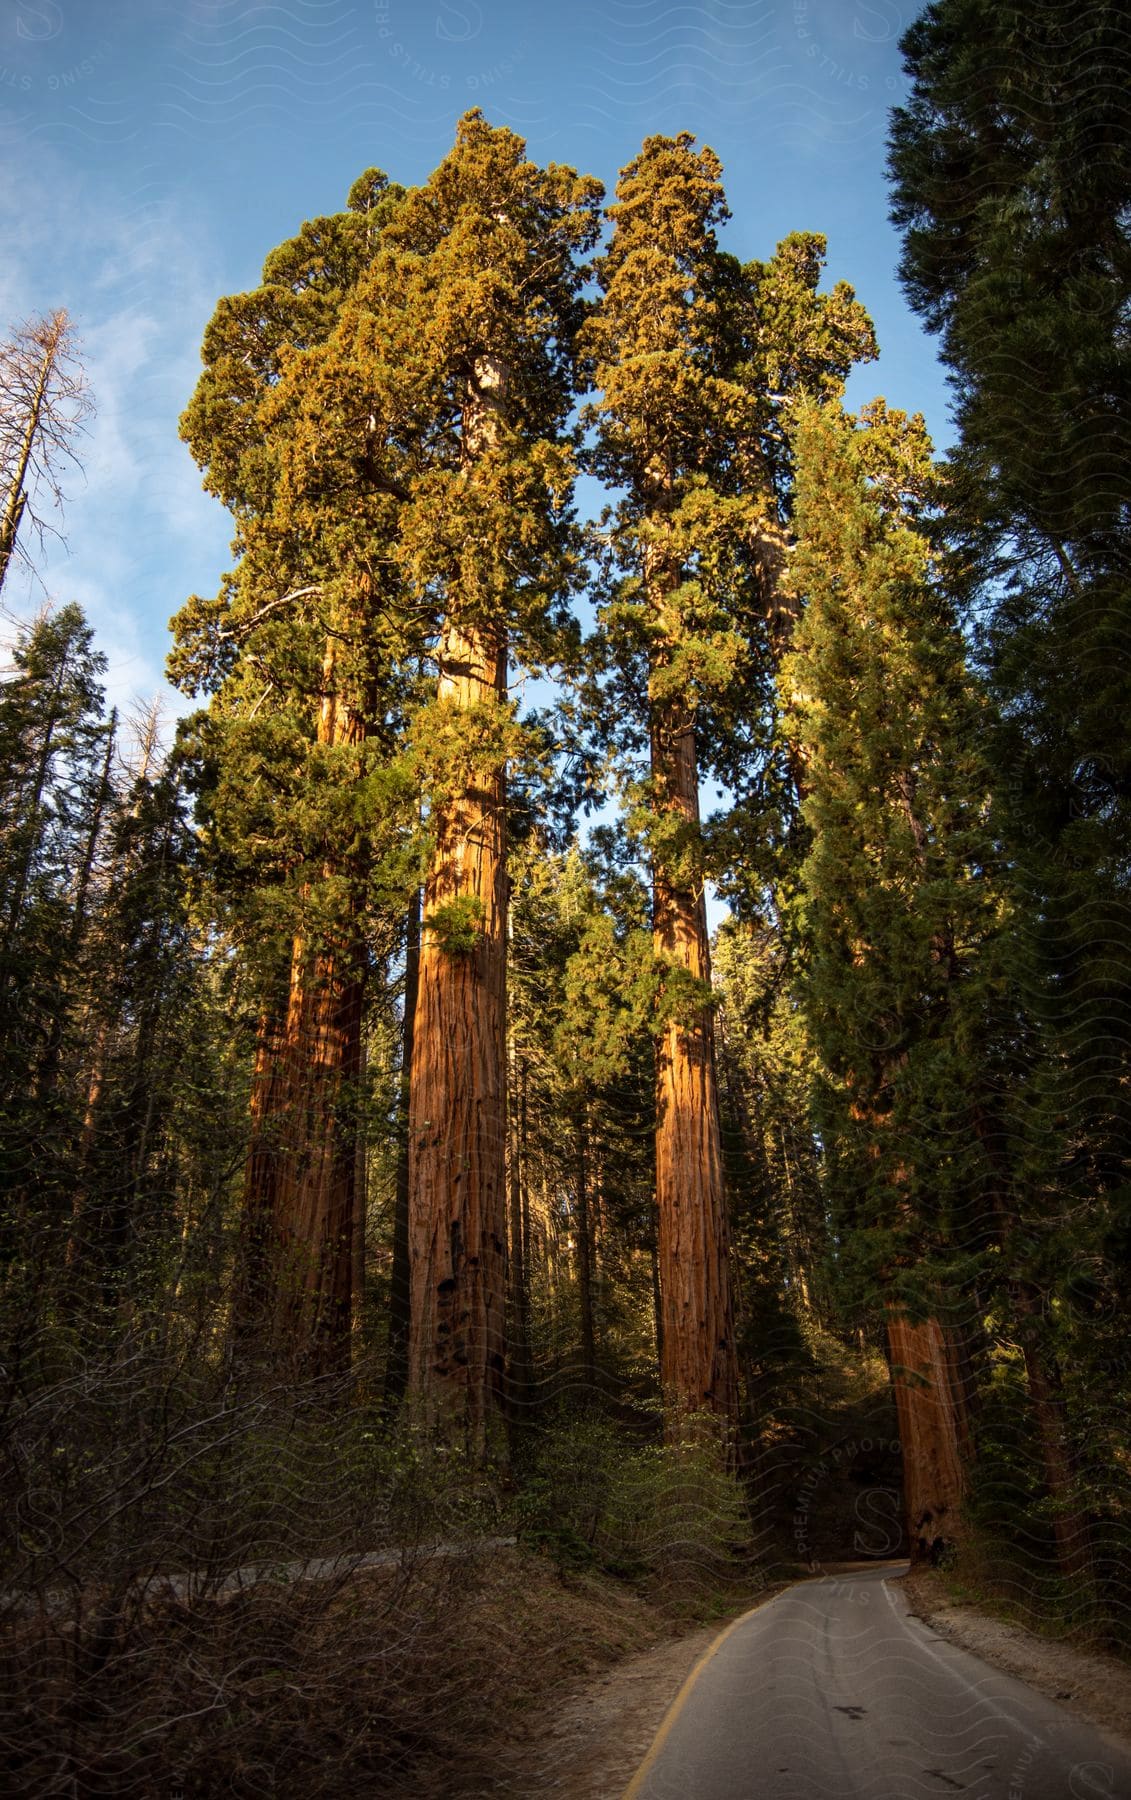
[(300, 1186), (1070, 1523), (251, 1299), (458, 1107), (698, 1367), (457, 1119), (933, 1433), (315, 1199)]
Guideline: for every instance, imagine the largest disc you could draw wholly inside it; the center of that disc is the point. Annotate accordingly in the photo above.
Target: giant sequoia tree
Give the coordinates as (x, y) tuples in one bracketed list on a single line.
[(654, 340), (694, 356), (303, 651), (470, 311)]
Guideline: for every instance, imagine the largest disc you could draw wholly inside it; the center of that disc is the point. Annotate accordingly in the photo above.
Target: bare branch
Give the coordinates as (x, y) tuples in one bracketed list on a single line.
[(45, 402)]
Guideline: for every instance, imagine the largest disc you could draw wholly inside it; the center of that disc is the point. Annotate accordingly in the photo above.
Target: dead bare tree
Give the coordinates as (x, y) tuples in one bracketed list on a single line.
[(44, 404)]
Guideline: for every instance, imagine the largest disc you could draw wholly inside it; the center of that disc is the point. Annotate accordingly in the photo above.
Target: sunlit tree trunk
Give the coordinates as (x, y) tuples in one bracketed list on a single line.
[(458, 1113), (457, 1183), (698, 1367), (39, 353)]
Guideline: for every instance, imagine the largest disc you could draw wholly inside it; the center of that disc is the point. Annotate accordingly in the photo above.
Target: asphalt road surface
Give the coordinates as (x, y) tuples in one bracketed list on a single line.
[(832, 1691)]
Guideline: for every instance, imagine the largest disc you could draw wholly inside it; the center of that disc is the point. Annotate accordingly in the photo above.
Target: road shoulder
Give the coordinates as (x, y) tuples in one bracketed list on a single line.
[(596, 1740), (1089, 1684)]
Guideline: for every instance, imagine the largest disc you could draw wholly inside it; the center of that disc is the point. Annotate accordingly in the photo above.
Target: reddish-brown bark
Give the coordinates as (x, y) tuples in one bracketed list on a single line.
[(251, 1302), (457, 1120), (315, 1198), (698, 1366), (933, 1432), (300, 1188), (1070, 1524), (458, 1108)]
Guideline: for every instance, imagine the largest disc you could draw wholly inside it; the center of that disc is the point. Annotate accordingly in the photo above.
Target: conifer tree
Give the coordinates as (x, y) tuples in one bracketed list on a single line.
[(1011, 173), (693, 355), (894, 906), (44, 404), (472, 307), (654, 340), (1011, 181), (581, 993), (55, 740), (303, 651)]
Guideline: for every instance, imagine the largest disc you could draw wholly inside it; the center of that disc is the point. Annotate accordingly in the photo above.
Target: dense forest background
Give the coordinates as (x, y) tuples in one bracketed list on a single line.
[(402, 1189)]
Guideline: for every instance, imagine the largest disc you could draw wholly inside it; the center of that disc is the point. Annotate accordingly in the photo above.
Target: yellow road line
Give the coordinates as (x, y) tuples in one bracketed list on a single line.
[(636, 1785)]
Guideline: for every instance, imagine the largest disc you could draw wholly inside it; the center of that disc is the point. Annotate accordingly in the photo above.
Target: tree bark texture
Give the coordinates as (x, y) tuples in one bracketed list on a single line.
[(1042, 1376), (698, 1367), (933, 1432), (300, 1191), (1070, 1523), (458, 1113), (251, 1300), (396, 1366), (457, 1130), (520, 1363), (315, 1198)]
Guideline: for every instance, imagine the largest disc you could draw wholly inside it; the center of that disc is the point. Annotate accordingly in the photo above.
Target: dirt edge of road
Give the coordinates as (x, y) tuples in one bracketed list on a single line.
[(1087, 1683), (596, 1740)]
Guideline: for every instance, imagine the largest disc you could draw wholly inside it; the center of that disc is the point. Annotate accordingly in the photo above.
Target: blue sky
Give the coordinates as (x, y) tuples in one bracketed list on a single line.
[(153, 151)]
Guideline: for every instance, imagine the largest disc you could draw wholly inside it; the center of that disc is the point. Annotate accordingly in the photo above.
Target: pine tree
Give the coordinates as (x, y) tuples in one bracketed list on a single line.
[(146, 976), (55, 740), (1011, 181)]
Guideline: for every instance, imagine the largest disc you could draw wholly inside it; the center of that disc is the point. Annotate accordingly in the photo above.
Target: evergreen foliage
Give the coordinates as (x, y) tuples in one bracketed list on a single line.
[(389, 1161)]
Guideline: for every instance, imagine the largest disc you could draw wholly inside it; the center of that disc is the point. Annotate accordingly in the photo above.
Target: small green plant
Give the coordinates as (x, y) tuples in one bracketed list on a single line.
[(636, 1511), (458, 926)]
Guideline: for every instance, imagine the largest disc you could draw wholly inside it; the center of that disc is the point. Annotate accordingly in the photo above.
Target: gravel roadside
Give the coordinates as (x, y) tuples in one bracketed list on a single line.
[(1088, 1683)]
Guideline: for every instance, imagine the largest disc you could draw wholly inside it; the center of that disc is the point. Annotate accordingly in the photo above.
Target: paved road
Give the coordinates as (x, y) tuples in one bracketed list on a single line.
[(832, 1691)]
